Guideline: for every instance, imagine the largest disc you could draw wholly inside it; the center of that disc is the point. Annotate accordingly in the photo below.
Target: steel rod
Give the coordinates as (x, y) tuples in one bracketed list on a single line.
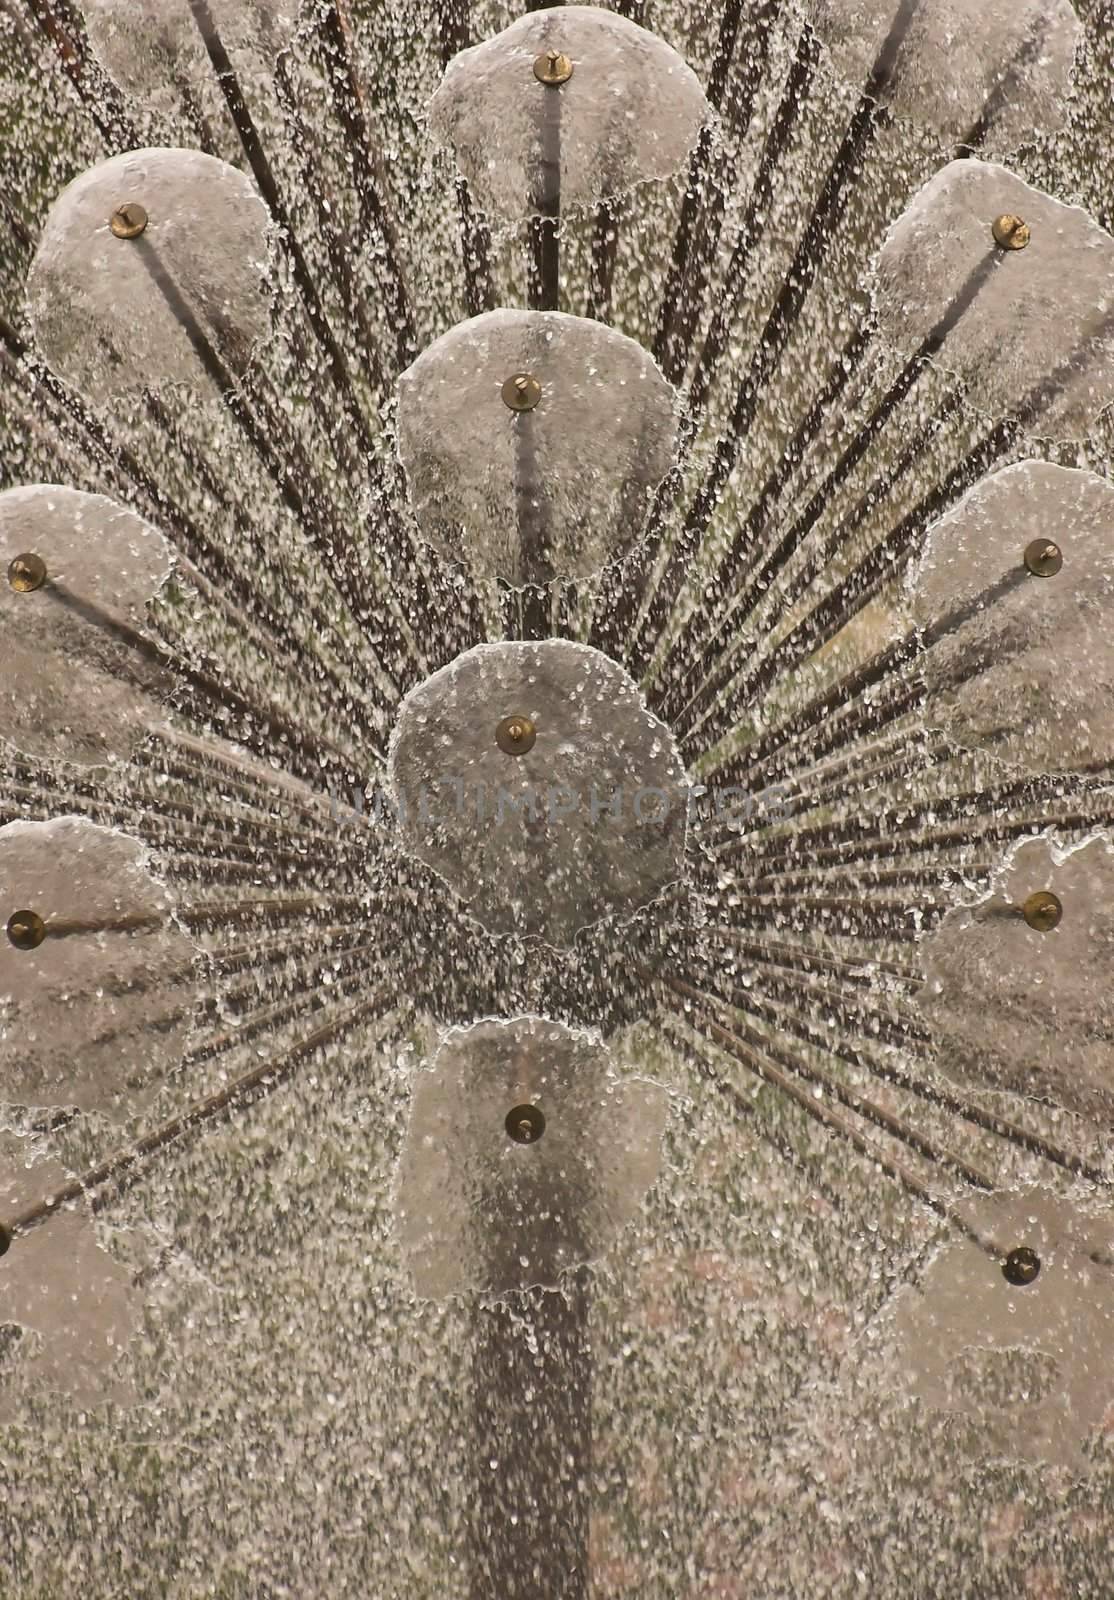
[(532, 1433), (64, 27), (760, 580), (121, 1167), (688, 653), (605, 248), (293, 476), (758, 1062), (544, 227), (879, 568), (759, 205), (822, 226), (701, 220), (943, 1099), (188, 538), (368, 175), (268, 187)]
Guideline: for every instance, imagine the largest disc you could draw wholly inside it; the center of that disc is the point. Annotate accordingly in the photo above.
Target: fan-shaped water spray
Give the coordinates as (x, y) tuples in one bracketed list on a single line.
[(804, 487)]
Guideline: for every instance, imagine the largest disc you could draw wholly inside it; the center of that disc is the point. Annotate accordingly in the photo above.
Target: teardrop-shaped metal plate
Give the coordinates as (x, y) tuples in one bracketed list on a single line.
[(98, 1012), (631, 111), (115, 314), (1023, 665), (75, 684), (1030, 333), (556, 489), (480, 1209)]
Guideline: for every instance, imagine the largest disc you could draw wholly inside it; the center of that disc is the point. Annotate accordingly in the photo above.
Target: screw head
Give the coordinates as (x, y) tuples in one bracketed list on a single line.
[(521, 392), (27, 573), (516, 735), (26, 930), (1043, 558), (1010, 233), (1043, 911), (525, 1124), (129, 220), (1021, 1267), (5, 1240), (553, 67)]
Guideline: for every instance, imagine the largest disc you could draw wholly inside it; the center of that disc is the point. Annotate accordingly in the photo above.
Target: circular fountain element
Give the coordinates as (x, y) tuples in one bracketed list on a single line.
[(183, 300), (1016, 588), (1026, 1004), (96, 1013), (58, 1285), (557, 487), (1029, 332), (1023, 1353), (483, 1211), (585, 820), (154, 48), (629, 110), (76, 573), (1010, 76)]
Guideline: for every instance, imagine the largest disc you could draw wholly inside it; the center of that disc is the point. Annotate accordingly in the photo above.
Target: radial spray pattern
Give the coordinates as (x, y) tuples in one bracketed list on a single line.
[(849, 1328)]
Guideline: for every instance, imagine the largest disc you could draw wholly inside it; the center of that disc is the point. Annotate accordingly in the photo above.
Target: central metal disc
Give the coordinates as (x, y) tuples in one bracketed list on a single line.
[(580, 815)]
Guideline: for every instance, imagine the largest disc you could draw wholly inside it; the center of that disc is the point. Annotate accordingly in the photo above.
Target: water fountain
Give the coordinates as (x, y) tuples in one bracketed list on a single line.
[(556, 770)]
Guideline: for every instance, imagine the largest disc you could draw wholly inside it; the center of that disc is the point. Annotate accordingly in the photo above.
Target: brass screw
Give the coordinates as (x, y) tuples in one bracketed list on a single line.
[(27, 573), (26, 930), (1043, 558), (553, 67), (1021, 1267), (1043, 911), (521, 392), (515, 735), (1010, 233), (129, 220), (525, 1124)]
